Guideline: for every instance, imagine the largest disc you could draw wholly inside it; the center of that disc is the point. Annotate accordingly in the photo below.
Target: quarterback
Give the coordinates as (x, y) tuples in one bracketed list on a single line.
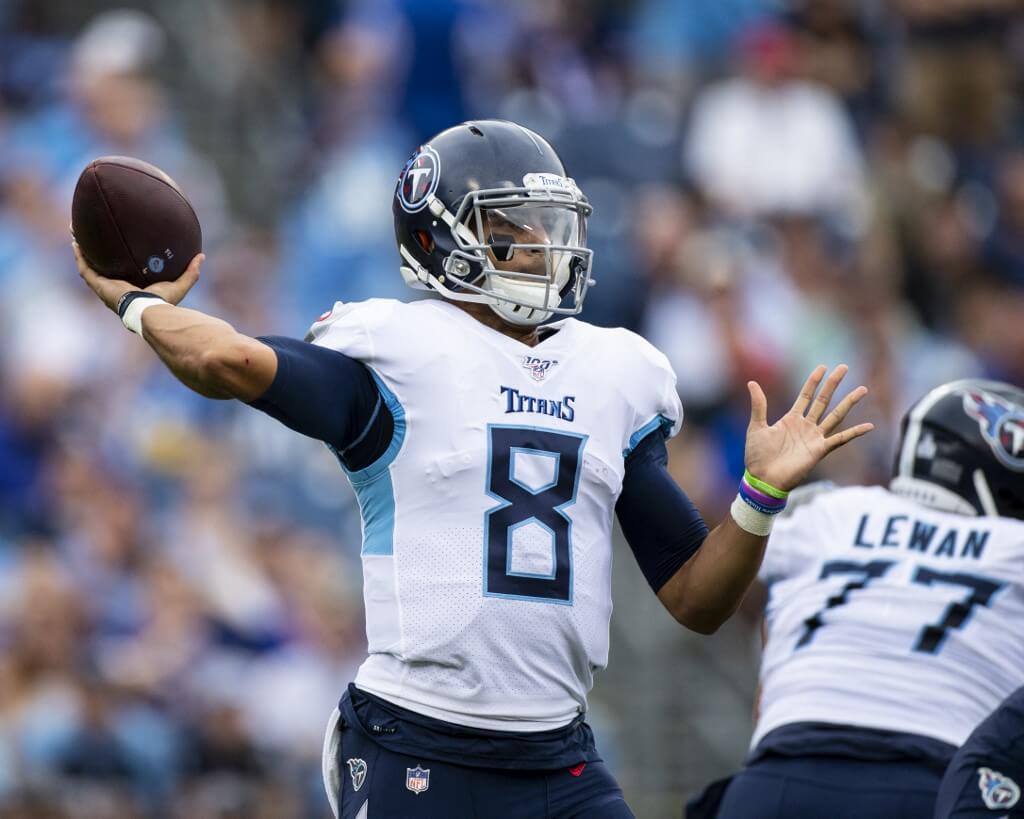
[(893, 624), (489, 450)]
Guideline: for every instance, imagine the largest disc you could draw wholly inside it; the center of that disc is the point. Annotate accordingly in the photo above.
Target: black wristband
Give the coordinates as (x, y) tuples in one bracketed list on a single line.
[(129, 297)]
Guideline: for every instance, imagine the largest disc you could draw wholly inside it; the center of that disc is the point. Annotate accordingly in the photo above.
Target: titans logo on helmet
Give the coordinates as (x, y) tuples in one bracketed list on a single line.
[(419, 179), (1002, 426)]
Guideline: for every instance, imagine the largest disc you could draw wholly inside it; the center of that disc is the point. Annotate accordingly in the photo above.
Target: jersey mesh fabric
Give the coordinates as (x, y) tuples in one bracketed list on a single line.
[(886, 614), (450, 637)]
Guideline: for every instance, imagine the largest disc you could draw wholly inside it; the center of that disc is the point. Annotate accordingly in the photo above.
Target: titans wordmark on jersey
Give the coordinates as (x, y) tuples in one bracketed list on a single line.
[(487, 524), (886, 614)]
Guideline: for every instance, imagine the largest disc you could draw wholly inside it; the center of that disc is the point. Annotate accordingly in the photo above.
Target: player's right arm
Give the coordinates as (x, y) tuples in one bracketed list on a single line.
[(205, 353), (313, 390), (208, 355)]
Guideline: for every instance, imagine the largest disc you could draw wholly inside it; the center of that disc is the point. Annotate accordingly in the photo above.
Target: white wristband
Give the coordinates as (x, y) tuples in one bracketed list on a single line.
[(132, 318), (749, 519)]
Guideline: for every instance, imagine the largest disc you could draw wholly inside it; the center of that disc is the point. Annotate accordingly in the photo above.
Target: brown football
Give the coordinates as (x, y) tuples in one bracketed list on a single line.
[(132, 221)]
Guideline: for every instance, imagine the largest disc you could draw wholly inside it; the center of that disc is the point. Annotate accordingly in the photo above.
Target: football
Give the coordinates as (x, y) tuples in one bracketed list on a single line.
[(133, 222)]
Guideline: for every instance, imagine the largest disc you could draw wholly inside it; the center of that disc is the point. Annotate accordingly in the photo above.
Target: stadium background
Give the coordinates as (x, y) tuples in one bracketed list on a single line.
[(774, 187)]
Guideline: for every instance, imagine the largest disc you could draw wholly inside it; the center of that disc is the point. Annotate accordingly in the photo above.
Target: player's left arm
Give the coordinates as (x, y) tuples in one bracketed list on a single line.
[(708, 581)]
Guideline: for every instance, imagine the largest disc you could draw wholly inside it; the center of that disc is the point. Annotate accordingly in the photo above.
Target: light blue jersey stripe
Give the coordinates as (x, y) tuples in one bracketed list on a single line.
[(647, 429), (373, 487)]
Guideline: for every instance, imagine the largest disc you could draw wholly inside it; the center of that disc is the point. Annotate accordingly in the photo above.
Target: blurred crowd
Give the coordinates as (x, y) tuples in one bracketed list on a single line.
[(776, 185)]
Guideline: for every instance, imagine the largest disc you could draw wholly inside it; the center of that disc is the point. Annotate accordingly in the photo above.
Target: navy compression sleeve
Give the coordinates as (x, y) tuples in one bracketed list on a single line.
[(661, 525), (328, 396)]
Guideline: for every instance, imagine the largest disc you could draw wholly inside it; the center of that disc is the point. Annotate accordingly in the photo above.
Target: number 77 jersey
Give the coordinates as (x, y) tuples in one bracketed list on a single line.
[(487, 524), (887, 614)]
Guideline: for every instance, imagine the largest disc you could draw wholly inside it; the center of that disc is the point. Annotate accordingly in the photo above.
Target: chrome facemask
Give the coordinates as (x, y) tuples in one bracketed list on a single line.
[(520, 250)]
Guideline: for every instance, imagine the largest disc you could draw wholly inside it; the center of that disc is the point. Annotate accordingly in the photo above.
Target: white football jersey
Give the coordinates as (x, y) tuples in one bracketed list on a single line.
[(487, 524), (886, 614)]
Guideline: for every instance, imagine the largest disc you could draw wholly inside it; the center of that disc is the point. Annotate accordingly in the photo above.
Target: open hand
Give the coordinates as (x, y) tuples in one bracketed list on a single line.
[(782, 454), (111, 290)]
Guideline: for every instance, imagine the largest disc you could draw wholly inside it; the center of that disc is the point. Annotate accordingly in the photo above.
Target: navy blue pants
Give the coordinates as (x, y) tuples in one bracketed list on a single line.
[(367, 779), (825, 787), (986, 777), (980, 788)]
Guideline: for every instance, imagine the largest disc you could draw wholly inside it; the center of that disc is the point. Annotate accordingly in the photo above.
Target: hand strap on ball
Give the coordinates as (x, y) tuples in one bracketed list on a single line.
[(132, 305)]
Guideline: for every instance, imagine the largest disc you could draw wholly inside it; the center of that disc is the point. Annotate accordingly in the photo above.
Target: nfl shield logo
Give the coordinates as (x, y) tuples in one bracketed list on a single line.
[(417, 779)]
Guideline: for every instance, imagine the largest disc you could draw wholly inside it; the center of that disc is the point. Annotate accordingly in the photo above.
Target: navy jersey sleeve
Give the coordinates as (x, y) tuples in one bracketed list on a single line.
[(661, 525), (328, 396)]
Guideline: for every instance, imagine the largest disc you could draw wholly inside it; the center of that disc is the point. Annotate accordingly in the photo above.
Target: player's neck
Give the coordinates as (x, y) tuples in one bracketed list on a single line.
[(529, 336)]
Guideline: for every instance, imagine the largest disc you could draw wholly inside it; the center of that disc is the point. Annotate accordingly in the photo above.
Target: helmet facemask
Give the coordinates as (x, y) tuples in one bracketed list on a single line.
[(528, 253), (520, 250)]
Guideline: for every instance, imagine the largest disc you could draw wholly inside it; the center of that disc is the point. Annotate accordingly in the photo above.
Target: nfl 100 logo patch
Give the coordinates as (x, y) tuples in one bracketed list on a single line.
[(538, 367), (417, 779)]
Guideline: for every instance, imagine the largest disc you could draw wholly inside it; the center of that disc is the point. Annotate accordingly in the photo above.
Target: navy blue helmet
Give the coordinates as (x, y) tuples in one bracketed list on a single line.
[(962, 449), (484, 212)]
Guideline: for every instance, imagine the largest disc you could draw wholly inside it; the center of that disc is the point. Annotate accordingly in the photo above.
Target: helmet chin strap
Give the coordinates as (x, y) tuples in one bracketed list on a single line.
[(988, 503), (517, 313)]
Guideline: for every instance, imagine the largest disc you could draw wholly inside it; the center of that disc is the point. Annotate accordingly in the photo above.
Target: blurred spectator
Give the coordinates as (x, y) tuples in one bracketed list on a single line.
[(768, 141), (672, 45), (834, 49), (957, 81), (1004, 251), (180, 603)]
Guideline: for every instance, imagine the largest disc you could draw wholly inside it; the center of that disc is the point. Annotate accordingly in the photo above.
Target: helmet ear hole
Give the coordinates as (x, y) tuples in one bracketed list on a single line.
[(424, 240)]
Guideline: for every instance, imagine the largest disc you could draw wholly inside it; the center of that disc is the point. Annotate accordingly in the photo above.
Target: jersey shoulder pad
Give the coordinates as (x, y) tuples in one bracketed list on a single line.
[(637, 351), (826, 498), (353, 328), (820, 508), (804, 494), (803, 532), (643, 374), (348, 313)]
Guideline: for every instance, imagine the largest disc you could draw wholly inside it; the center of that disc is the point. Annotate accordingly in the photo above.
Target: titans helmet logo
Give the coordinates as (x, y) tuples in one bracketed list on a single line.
[(998, 791), (419, 180), (1002, 426)]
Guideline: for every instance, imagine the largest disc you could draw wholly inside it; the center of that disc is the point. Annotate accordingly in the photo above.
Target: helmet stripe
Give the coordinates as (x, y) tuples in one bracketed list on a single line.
[(913, 434), (981, 486)]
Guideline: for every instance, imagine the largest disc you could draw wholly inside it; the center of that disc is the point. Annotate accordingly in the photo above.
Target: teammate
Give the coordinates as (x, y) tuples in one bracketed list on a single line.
[(894, 620), (488, 452), (986, 776)]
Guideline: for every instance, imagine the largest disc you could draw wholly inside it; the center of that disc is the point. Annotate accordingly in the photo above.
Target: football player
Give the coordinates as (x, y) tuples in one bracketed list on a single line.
[(986, 775), (893, 624), (488, 452)]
